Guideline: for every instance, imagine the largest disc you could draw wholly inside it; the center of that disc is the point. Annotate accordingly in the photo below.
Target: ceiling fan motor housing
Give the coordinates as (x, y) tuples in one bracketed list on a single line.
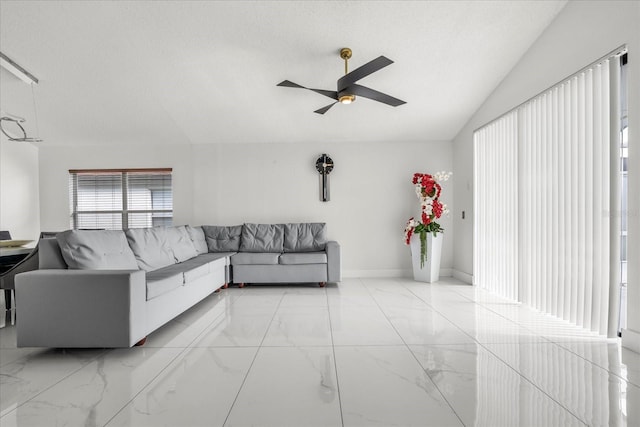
[(346, 98)]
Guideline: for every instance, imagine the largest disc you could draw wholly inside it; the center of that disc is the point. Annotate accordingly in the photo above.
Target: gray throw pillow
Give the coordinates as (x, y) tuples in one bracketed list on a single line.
[(198, 239), (222, 238), (305, 237), (262, 238), (151, 248), (96, 250), (180, 243)]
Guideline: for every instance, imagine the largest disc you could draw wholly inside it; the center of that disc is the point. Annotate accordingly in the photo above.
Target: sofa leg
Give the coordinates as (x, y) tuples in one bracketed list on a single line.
[(241, 285), (225, 286), (322, 284), (217, 290), (7, 298), (141, 342)]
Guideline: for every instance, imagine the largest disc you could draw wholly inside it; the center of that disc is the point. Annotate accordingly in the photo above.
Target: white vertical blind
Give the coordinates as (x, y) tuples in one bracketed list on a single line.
[(562, 143), (496, 186)]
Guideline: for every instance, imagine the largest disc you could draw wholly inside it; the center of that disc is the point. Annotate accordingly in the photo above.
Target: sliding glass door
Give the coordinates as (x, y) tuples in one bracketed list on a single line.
[(548, 189)]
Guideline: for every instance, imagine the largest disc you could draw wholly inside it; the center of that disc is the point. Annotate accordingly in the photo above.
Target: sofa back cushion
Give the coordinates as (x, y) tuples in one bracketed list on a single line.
[(50, 255), (180, 243), (262, 238), (305, 237), (198, 239), (96, 250), (150, 247), (222, 238)]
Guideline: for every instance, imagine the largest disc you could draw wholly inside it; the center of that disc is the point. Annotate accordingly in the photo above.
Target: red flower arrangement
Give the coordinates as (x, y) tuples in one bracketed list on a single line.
[(428, 191)]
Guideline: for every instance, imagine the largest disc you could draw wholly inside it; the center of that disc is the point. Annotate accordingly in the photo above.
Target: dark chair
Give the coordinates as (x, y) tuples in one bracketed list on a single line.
[(27, 263)]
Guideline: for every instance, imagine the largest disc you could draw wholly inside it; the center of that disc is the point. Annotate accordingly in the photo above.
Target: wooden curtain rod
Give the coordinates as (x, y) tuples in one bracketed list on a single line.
[(96, 171)]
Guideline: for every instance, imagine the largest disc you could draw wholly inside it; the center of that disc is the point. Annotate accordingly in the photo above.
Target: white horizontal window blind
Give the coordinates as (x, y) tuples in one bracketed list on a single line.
[(561, 140), (149, 199), (120, 199)]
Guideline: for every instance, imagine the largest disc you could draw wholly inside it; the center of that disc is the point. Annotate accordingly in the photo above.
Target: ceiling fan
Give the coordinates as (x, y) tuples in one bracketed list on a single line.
[(347, 87)]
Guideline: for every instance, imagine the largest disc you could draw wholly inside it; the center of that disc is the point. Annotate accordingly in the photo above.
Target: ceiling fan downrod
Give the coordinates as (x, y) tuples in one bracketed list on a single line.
[(345, 53)]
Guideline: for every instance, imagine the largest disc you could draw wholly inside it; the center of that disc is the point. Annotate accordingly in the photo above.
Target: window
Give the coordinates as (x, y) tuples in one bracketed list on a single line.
[(120, 199)]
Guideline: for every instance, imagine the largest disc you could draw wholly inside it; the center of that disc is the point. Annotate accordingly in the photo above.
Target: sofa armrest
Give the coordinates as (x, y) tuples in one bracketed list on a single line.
[(334, 262), (81, 308)]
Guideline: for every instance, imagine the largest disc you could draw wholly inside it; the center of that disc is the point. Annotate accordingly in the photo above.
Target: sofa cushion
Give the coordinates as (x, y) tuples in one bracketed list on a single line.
[(224, 257), (305, 237), (96, 250), (198, 239), (150, 247), (50, 254), (180, 243), (303, 258), (255, 258), (222, 238), (195, 273), (197, 267), (262, 238), (164, 280)]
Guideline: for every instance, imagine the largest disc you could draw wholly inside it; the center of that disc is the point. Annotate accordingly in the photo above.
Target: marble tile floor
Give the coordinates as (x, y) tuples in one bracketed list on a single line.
[(365, 352)]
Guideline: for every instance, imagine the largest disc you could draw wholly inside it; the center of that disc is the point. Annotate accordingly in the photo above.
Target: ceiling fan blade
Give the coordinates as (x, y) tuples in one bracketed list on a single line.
[(374, 94), (287, 83), (329, 93), (363, 71), (325, 109)]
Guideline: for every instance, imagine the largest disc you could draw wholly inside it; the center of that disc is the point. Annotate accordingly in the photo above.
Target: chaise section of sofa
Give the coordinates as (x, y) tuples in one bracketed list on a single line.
[(81, 308), (111, 288)]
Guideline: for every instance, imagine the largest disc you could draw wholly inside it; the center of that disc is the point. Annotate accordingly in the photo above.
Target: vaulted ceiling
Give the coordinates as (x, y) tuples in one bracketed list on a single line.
[(173, 72)]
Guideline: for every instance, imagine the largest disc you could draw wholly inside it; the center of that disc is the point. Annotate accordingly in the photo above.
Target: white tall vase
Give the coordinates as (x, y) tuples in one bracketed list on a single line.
[(430, 272)]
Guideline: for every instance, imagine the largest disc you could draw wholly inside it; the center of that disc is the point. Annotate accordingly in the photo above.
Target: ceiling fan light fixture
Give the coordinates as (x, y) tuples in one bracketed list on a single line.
[(347, 99)]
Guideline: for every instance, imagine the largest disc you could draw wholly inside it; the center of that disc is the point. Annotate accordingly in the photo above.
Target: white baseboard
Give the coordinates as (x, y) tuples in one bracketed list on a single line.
[(446, 272), (351, 274), (631, 340), (460, 275)]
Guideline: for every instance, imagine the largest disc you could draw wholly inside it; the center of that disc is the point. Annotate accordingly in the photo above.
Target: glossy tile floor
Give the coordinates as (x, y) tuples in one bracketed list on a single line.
[(366, 352)]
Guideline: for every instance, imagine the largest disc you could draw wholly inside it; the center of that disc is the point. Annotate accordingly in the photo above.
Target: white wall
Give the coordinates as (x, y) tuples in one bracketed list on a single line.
[(55, 162), (371, 192), (19, 202), (583, 32)]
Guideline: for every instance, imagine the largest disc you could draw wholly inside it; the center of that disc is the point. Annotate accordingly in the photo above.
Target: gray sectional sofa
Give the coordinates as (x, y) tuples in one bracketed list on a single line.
[(113, 288)]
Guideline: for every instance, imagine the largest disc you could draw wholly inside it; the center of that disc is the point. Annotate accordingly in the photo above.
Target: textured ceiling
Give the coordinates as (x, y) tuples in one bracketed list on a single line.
[(171, 72)]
